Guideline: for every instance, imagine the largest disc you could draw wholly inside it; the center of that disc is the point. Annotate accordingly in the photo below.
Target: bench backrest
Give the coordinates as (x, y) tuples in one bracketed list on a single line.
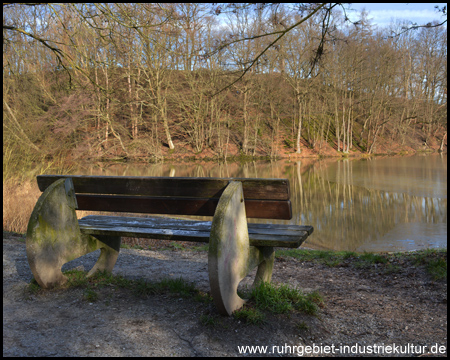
[(264, 198)]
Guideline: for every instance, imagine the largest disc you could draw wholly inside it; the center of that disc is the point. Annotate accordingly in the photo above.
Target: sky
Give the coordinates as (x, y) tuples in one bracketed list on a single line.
[(383, 13)]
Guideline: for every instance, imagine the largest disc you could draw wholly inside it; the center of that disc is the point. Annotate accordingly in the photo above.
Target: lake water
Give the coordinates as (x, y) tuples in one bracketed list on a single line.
[(376, 204)]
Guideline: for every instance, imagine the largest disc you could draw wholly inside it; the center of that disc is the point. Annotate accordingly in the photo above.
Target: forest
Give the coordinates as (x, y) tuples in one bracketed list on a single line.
[(151, 81)]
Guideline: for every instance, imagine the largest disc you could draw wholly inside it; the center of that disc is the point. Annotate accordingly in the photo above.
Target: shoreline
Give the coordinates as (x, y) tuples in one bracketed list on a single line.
[(250, 158)]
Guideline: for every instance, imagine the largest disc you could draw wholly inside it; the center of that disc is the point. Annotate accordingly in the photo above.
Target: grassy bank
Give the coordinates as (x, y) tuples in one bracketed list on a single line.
[(434, 260)]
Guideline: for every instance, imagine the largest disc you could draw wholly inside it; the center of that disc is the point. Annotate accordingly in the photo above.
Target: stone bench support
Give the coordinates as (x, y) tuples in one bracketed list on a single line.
[(54, 237)]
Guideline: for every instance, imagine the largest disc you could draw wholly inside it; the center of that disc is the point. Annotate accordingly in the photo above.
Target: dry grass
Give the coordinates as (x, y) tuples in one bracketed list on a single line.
[(19, 199)]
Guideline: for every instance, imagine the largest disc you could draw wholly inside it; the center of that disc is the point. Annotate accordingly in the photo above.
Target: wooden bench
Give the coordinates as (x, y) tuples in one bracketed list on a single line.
[(55, 235)]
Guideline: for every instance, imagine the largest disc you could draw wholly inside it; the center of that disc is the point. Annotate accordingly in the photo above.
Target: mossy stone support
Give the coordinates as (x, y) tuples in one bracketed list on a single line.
[(230, 256), (54, 237), (109, 252), (264, 258)]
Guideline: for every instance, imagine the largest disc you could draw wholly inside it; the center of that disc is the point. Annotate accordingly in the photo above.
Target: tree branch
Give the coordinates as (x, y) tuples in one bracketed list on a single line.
[(281, 32)]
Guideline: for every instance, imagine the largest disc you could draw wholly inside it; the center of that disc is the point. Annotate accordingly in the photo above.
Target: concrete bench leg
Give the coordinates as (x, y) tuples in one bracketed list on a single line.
[(54, 237), (109, 252), (230, 256), (263, 257)]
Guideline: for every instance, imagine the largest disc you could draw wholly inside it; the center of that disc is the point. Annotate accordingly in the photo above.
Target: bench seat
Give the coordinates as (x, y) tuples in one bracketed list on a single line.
[(291, 236)]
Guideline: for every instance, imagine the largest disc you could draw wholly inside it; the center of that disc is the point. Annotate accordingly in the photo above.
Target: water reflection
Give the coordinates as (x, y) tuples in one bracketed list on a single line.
[(362, 205), (380, 204), (416, 175)]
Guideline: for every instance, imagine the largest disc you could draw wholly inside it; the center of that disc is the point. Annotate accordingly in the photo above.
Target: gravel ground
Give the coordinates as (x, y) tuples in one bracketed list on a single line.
[(368, 309)]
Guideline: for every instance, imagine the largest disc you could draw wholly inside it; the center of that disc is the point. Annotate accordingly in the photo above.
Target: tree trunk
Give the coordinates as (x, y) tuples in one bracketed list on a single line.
[(245, 140), (343, 125), (130, 93), (338, 138), (299, 130), (441, 147), (166, 125)]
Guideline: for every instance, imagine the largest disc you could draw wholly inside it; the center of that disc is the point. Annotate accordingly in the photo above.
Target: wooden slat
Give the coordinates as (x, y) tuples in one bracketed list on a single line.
[(264, 189), (291, 236), (262, 209)]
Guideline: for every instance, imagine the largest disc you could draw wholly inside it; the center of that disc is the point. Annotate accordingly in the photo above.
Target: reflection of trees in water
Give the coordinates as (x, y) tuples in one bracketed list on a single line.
[(346, 216), (343, 215)]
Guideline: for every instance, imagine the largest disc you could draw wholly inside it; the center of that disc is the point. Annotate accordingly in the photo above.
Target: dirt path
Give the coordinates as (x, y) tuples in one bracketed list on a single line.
[(362, 308)]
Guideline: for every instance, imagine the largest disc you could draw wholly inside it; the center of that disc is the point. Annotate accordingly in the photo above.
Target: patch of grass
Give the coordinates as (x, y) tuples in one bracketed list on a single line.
[(178, 286), (144, 288), (249, 315), (176, 245), (275, 299), (281, 299), (434, 260), (437, 269), (204, 247), (209, 320), (316, 298), (77, 278), (392, 269), (367, 259), (203, 297), (33, 287), (90, 295)]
